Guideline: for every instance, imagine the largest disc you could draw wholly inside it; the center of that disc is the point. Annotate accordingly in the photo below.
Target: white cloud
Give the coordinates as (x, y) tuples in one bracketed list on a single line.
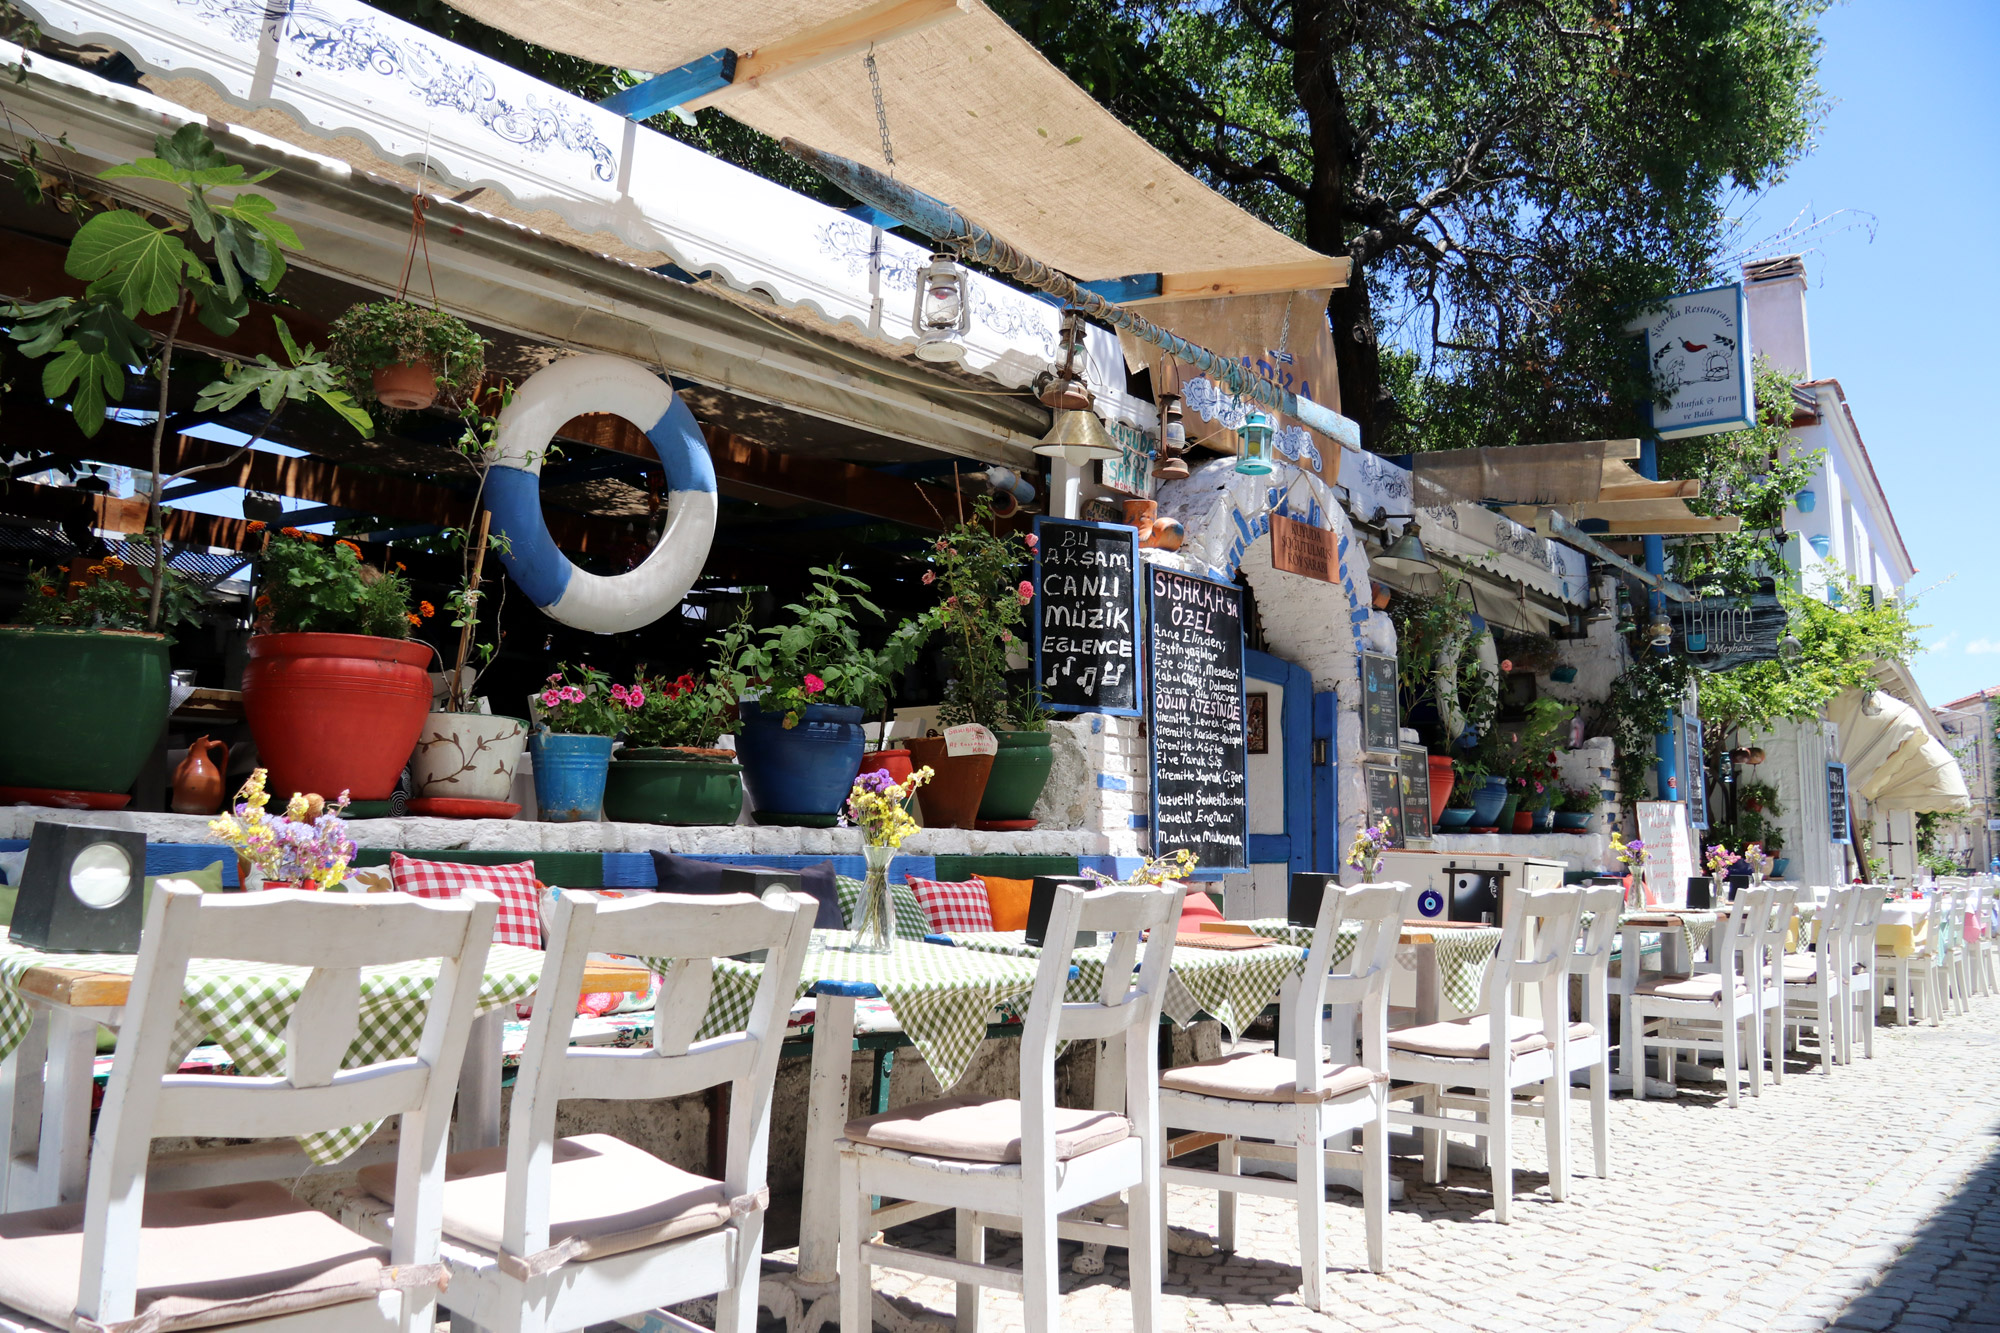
[(1942, 645), (1978, 646)]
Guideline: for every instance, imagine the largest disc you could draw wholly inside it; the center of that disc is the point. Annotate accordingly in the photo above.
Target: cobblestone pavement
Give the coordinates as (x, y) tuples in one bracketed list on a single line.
[(1865, 1200)]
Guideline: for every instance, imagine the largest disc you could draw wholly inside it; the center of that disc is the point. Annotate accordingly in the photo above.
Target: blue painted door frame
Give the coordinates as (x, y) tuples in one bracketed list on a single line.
[(1292, 735), (1326, 847)]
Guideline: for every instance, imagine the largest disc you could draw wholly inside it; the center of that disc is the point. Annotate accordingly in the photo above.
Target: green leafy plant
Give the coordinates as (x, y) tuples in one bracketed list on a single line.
[(984, 609), (309, 376), (689, 711), (111, 595), (819, 656), (326, 587), (1579, 800), (368, 338)]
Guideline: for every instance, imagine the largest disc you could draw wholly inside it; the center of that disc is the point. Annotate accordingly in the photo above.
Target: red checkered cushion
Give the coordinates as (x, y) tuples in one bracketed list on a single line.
[(520, 920), (953, 906)]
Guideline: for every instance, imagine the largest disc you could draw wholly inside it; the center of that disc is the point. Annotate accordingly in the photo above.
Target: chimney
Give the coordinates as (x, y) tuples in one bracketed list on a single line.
[(1775, 290)]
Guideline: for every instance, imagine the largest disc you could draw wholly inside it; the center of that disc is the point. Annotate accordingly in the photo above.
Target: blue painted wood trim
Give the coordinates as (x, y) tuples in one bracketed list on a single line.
[(1270, 848), (1295, 738), (168, 858), (697, 78), (1326, 784), (871, 216), (1131, 287)]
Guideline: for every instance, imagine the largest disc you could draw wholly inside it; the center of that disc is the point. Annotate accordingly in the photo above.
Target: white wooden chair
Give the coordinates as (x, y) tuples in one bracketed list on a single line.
[(1919, 976), (1500, 1050), (249, 1254), (1858, 977), (1984, 942), (1767, 979), (1589, 1045), (1815, 979), (546, 1233), (1689, 1008), (1298, 1105), (1022, 1164)]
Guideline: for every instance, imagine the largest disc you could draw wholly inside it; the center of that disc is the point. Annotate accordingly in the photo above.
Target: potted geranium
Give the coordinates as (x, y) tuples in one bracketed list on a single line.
[(575, 723), (406, 356), (1575, 807), (984, 612), (800, 689), (669, 770), (335, 690), (87, 683)]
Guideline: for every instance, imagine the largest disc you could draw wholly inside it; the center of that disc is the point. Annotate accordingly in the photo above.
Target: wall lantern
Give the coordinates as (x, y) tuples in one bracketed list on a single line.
[(82, 890), (1255, 460), (1172, 462), (944, 313), (1660, 633), (1077, 437)]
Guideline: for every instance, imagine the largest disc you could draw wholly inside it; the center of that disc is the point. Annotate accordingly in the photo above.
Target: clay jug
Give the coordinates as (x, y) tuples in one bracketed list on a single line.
[(198, 781)]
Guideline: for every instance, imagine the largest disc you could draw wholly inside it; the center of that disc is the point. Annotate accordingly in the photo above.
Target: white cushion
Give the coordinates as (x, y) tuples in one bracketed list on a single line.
[(212, 1256), (605, 1197), (1259, 1076), (1674, 986), (1467, 1038), (974, 1129)]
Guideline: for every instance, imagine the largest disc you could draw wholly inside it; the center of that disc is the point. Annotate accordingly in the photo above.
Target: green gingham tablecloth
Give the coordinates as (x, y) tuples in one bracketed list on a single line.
[(1462, 953), (1231, 986), (943, 997), (1696, 927), (244, 1008)]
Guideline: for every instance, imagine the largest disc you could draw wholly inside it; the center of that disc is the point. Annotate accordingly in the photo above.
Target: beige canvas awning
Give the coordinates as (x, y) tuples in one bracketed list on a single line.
[(1893, 762), (1582, 480), (976, 116)]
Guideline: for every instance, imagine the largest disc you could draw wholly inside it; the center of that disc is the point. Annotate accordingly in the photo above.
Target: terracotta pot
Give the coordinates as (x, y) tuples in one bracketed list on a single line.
[(1443, 778), (467, 757), (896, 763), (408, 388), (1167, 535), (198, 780), (335, 712), (1140, 514), (951, 799), (1524, 821)]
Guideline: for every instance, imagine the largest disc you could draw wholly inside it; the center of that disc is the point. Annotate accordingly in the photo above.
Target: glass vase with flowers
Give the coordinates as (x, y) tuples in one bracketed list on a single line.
[(878, 806), (306, 847)]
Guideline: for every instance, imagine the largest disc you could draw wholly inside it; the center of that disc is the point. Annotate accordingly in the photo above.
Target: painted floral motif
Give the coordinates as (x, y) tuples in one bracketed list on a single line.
[(854, 244)]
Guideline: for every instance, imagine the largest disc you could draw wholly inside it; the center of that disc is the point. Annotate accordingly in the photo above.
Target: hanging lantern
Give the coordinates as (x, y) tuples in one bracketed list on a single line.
[(1077, 436), (1171, 464), (944, 313), (1255, 460), (1660, 633)]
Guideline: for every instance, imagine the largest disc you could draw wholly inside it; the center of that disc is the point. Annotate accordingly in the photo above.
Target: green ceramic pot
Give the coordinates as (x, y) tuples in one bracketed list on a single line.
[(87, 707), (1020, 771), (1507, 810), (672, 791)]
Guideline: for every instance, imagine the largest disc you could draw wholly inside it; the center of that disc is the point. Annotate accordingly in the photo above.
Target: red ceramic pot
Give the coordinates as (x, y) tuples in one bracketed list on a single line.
[(896, 763), (1524, 821), (1443, 779), (335, 712)]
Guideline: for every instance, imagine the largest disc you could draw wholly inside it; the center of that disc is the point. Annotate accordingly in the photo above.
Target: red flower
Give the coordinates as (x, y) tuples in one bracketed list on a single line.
[(814, 684)]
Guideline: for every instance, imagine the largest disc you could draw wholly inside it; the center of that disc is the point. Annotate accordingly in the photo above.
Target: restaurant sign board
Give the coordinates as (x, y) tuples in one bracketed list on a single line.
[(1698, 353), (1301, 548)]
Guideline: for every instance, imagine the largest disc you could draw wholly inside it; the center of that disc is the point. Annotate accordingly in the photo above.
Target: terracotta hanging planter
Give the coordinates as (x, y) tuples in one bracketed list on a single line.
[(951, 798), (410, 387)]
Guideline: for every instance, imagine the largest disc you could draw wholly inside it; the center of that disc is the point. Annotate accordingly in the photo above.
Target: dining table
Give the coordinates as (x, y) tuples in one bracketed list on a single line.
[(52, 1005)]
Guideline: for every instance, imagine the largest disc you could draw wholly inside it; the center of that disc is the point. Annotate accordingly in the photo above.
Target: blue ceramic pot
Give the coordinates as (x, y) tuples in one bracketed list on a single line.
[(1486, 802), (569, 776), (802, 770), (1570, 819), (1541, 815), (1455, 818), (1779, 865)]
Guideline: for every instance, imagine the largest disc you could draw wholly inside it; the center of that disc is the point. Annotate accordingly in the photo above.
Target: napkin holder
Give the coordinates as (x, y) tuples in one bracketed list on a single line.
[(82, 890), (760, 884), (1701, 893), (1306, 894), (1042, 902)]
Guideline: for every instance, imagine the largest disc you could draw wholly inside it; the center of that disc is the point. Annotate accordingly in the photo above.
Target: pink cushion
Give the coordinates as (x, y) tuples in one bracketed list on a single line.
[(1468, 1038), (1196, 908), (520, 920), (975, 1129), (952, 907), (1259, 1076)]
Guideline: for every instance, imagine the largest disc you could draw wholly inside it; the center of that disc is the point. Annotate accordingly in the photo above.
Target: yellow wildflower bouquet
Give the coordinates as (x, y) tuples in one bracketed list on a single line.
[(876, 806)]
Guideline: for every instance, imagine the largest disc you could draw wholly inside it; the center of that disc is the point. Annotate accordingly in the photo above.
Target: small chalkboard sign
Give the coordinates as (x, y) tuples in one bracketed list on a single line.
[(1416, 797), (1836, 802), (1381, 715), (1385, 796), (1695, 760), (1199, 752), (1086, 616)]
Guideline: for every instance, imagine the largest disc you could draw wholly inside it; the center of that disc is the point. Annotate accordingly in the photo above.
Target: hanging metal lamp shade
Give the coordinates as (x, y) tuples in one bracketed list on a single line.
[(1077, 437), (1407, 556)]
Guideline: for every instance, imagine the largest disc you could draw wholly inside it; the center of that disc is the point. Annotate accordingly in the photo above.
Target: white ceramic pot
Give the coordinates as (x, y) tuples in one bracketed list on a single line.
[(467, 756)]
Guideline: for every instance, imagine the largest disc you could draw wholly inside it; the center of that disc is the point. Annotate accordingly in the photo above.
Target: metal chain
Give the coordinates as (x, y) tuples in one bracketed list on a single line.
[(881, 115), (1285, 334)]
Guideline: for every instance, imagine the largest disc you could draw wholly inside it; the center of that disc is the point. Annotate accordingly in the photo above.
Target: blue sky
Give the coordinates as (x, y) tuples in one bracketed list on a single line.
[(1905, 320)]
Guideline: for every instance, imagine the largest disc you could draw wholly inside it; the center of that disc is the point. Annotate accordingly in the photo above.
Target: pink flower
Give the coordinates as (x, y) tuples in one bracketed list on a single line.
[(1026, 592), (930, 577), (572, 694), (635, 698), (555, 675), (1032, 540), (814, 684), (1006, 636), (618, 692), (550, 698)]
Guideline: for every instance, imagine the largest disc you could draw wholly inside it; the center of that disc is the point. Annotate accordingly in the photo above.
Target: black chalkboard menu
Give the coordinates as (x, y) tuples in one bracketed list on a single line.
[(1381, 715), (1198, 745), (1385, 798), (1836, 802), (1695, 759), (1416, 797), (1086, 616)]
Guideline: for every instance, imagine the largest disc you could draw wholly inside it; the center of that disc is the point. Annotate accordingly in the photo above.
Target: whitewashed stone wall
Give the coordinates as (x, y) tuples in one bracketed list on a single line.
[(1100, 783)]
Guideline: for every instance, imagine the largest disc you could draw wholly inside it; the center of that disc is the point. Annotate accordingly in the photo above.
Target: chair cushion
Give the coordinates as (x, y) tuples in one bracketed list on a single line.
[(1674, 986), (1799, 969), (1196, 909), (220, 1255), (953, 906), (1259, 1076), (605, 1197), (520, 918), (973, 1129), (1466, 1038), (1008, 899), (691, 874)]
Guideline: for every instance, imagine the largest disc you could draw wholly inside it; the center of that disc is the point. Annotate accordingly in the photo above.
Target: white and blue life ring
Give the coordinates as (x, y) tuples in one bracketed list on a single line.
[(577, 598)]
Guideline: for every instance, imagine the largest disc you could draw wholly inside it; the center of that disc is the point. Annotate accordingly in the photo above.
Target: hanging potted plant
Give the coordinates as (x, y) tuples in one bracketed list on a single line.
[(669, 770), (984, 611), (801, 689), (335, 690), (407, 357), (88, 683), (575, 723)]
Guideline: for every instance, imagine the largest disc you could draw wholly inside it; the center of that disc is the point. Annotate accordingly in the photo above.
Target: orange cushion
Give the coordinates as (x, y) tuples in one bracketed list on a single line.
[(1009, 900), (1196, 908)]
